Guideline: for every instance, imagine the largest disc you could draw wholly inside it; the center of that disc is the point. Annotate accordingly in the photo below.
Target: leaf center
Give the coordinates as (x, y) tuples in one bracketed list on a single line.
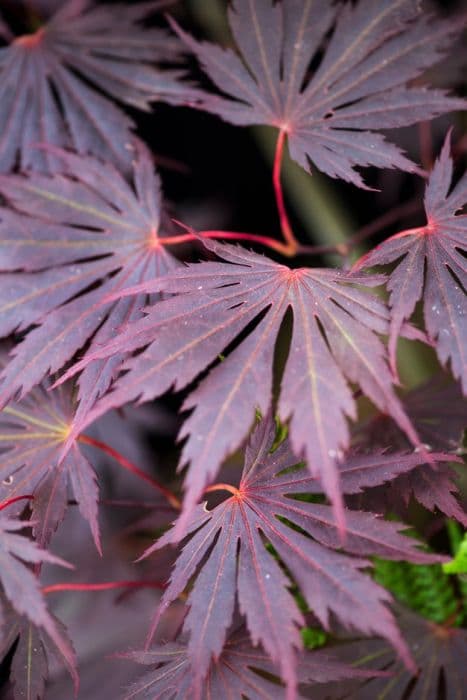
[(30, 41), (153, 240)]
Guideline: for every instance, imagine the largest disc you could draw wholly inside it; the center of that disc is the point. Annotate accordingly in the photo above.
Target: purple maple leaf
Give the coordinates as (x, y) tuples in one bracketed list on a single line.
[(438, 411), (432, 265), (333, 342), (22, 591), (48, 82), (240, 671), (66, 234), (440, 652), (32, 434), (227, 554), (360, 83), (32, 650)]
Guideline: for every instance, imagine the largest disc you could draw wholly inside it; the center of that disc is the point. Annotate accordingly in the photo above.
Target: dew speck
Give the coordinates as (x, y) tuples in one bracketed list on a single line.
[(423, 446)]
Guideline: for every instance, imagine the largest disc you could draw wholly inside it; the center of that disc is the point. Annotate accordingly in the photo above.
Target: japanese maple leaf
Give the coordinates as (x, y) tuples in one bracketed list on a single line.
[(241, 671), (432, 265), (67, 233), (226, 553), (359, 472), (51, 83), (432, 486), (21, 589), (333, 342), (359, 85), (34, 648), (440, 652), (32, 434), (438, 411)]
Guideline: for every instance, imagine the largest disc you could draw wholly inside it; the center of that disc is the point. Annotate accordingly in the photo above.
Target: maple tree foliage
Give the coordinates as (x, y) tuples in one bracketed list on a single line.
[(432, 264), (21, 589), (360, 84), (332, 468), (440, 652), (66, 233), (438, 410), (34, 651), (241, 670), (261, 509), (45, 76), (333, 342), (32, 435)]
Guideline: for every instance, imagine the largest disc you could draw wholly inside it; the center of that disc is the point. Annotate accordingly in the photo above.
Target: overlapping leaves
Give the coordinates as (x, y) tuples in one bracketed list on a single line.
[(48, 83), (32, 435), (33, 652), (440, 652), (334, 342), (22, 590), (359, 85), (431, 264), (226, 552), (68, 233), (438, 411), (241, 671)]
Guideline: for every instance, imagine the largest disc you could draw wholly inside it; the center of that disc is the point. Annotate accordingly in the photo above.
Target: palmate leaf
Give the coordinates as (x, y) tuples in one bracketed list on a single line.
[(438, 411), (51, 83), (333, 342), (361, 471), (32, 434), (227, 554), (434, 487), (432, 265), (67, 233), (440, 652), (28, 613), (359, 85), (241, 671)]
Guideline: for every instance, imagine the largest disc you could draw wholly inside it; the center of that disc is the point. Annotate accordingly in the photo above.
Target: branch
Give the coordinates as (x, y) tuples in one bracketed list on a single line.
[(386, 219), (231, 235), (56, 587), (10, 501), (291, 250), (286, 228), (223, 487)]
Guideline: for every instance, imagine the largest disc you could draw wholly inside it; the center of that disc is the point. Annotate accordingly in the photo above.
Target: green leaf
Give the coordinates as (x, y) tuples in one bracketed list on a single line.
[(459, 564)]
